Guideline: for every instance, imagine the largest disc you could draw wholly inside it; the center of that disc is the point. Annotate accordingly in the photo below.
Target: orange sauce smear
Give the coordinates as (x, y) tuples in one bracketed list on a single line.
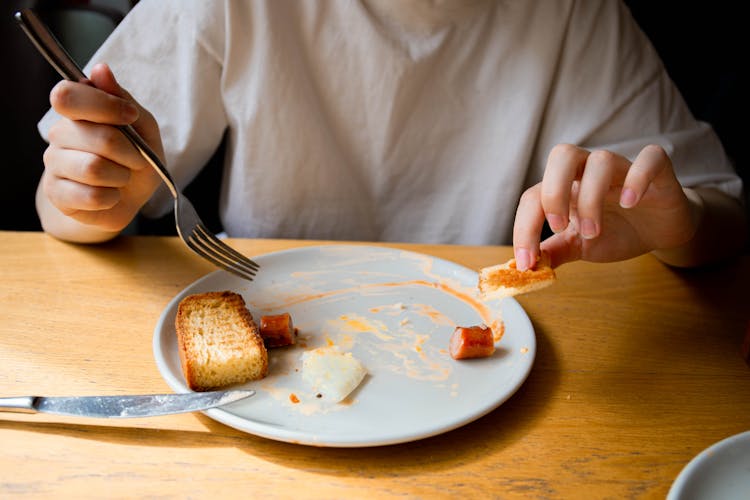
[(497, 325)]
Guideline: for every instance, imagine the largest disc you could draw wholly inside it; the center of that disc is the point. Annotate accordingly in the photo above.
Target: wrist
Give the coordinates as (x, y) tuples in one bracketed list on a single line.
[(719, 230)]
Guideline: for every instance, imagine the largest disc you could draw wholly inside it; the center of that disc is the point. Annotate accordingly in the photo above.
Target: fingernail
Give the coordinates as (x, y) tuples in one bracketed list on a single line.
[(556, 223), (523, 259), (627, 198), (129, 112), (588, 229)]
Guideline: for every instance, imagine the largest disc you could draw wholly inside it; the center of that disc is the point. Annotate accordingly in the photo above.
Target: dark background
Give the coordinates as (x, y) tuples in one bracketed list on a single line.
[(701, 44)]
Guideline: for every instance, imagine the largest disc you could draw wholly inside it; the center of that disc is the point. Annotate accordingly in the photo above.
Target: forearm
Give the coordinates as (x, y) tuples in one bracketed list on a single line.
[(722, 230), (66, 228)]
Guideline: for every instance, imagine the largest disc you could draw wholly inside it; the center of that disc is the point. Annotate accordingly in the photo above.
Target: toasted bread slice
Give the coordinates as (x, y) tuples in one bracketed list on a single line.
[(505, 280), (218, 341)]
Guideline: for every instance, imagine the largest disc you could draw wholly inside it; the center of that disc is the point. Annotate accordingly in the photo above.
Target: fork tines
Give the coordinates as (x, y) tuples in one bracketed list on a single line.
[(208, 246)]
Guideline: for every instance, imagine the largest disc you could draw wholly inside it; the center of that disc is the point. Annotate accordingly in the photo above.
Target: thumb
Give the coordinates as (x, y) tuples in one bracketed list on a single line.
[(103, 79), (562, 247)]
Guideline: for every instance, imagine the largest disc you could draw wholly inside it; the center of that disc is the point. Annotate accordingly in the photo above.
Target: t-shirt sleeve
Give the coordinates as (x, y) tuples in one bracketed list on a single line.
[(167, 54), (613, 92)]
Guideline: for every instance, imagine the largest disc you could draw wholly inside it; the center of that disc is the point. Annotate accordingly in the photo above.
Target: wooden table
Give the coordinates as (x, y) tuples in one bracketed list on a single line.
[(638, 369)]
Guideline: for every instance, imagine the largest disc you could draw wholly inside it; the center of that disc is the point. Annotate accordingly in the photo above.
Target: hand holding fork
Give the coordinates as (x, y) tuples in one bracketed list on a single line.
[(189, 225)]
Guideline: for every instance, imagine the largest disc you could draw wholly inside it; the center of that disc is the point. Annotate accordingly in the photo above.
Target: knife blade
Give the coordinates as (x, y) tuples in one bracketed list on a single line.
[(147, 405)]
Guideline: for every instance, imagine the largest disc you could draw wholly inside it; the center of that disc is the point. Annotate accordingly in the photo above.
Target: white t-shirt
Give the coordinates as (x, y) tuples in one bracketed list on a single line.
[(346, 124)]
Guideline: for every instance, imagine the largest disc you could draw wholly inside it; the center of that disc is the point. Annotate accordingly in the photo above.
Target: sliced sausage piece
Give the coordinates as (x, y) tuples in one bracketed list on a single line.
[(472, 342), (277, 330)]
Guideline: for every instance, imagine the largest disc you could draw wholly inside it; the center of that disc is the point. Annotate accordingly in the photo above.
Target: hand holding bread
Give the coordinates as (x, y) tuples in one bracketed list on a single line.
[(602, 207)]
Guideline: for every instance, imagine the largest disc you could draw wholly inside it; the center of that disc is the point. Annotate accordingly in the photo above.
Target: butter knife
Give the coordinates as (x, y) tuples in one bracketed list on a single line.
[(148, 405)]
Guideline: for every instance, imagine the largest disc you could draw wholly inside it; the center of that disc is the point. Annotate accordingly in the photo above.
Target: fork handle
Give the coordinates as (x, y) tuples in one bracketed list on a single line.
[(150, 156), (46, 43)]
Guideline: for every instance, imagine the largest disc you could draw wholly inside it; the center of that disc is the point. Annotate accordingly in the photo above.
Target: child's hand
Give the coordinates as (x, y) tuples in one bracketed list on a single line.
[(93, 174), (603, 208)]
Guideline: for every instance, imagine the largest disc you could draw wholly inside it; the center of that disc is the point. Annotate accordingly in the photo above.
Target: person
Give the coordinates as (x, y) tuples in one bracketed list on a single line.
[(434, 121)]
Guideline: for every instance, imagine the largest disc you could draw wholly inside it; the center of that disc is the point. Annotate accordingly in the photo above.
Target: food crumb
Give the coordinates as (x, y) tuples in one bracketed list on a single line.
[(404, 322), (293, 398), (318, 395), (524, 350)]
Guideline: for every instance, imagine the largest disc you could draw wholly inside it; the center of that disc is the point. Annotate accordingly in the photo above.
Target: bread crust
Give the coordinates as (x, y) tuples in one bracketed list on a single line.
[(198, 315)]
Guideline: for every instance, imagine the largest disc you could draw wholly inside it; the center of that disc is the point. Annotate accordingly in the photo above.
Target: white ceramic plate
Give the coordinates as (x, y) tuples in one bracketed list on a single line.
[(395, 311), (720, 472)]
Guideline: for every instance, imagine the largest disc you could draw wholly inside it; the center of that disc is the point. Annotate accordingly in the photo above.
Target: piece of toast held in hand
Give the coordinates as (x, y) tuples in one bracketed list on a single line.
[(218, 341), (505, 280)]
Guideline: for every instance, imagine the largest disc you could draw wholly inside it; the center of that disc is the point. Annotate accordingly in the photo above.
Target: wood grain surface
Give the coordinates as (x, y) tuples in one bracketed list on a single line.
[(639, 368)]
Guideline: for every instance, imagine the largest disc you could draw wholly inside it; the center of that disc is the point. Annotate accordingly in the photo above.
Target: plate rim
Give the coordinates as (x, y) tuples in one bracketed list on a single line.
[(700, 461)]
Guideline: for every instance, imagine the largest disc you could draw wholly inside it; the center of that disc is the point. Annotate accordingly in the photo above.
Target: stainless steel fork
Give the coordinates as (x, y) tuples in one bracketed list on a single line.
[(189, 225)]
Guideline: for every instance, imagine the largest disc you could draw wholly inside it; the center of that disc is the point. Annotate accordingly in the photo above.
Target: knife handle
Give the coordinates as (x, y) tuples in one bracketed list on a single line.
[(23, 404)]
